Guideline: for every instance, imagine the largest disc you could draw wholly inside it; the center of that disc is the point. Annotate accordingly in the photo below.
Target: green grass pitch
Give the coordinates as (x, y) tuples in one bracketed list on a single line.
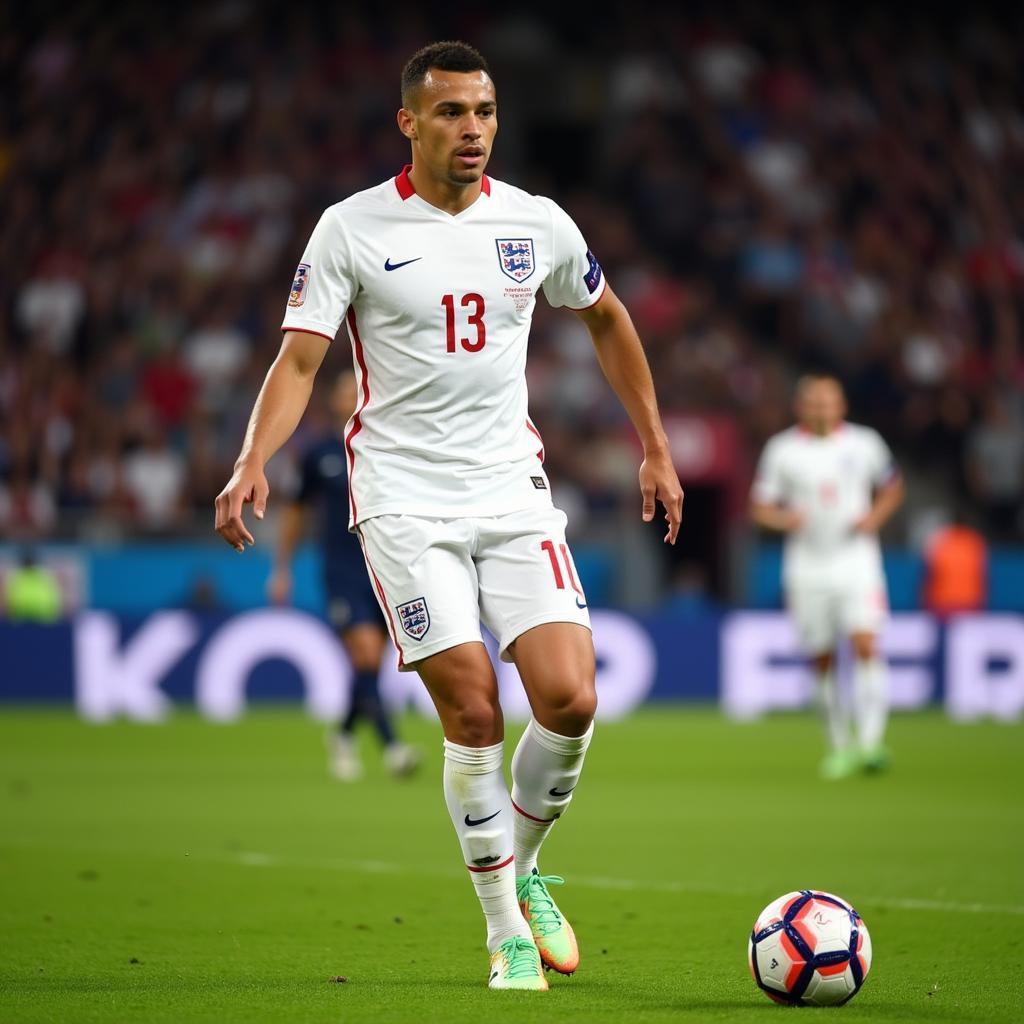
[(196, 872)]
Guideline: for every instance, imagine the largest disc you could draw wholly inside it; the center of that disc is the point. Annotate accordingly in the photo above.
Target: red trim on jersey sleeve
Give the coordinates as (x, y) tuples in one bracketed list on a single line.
[(357, 416), (604, 287), (536, 433), (305, 330), (403, 184)]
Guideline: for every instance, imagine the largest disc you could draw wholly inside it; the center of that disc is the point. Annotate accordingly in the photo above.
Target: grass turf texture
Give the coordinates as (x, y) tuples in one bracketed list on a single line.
[(195, 872)]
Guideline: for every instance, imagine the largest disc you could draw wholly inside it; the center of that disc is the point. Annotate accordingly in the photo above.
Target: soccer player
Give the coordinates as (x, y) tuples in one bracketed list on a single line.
[(351, 603), (829, 486), (435, 274)]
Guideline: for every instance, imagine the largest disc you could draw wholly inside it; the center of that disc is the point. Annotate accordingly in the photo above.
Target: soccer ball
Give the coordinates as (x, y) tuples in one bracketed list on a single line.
[(809, 948)]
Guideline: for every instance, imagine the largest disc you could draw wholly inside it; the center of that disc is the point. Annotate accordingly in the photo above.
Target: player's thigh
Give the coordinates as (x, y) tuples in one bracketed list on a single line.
[(815, 619), (526, 574), (354, 611), (864, 611), (425, 580), (557, 665), (462, 684), (365, 643)]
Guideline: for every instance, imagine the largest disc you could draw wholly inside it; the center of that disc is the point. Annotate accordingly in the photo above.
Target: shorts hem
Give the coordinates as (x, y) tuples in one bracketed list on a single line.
[(513, 633), (411, 658)]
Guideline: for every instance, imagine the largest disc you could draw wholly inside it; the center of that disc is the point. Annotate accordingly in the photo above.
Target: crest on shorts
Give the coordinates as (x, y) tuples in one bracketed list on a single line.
[(299, 285), (515, 255), (414, 617)]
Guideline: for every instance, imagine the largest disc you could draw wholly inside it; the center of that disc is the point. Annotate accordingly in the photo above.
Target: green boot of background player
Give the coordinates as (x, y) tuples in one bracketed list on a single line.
[(875, 759), (839, 764)]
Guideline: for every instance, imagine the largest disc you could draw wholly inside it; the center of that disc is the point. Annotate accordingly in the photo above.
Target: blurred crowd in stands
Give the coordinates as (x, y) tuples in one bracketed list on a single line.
[(768, 193)]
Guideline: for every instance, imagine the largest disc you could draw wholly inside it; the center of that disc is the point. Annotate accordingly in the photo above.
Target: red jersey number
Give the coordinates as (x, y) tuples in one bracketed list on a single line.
[(474, 318)]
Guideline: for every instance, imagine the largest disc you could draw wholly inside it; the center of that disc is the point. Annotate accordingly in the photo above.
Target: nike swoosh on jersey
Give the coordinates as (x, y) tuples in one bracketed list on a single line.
[(388, 265), (470, 822)]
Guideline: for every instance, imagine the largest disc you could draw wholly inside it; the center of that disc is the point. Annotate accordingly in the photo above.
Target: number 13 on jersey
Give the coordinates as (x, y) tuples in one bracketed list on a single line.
[(473, 319)]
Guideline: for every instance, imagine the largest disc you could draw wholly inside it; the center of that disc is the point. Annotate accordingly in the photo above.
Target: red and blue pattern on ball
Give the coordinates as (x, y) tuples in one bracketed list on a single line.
[(802, 949)]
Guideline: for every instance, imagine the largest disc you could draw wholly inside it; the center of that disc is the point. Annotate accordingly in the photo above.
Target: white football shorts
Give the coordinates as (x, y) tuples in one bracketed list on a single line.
[(438, 579), (823, 615)]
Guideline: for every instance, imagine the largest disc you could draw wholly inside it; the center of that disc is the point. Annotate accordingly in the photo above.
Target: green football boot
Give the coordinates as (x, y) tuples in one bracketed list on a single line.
[(552, 933), (839, 764), (874, 759), (516, 964)]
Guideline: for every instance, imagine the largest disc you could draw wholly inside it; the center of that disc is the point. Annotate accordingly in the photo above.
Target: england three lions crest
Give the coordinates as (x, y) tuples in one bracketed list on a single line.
[(414, 617), (515, 256)]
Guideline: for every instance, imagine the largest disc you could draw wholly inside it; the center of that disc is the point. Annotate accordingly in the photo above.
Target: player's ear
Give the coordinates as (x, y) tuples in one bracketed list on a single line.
[(407, 123)]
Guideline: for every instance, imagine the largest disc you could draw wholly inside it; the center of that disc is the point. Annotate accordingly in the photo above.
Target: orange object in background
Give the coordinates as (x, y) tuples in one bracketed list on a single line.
[(956, 570)]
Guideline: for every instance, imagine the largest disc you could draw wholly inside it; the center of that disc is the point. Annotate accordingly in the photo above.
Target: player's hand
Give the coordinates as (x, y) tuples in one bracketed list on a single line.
[(794, 523), (248, 485), (865, 525), (279, 587), (658, 481)]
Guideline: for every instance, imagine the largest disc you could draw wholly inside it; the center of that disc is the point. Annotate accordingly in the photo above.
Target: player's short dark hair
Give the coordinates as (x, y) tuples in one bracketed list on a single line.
[(449, 55), (816, 377)]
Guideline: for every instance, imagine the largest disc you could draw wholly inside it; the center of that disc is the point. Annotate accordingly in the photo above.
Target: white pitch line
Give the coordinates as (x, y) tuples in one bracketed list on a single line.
[(375, 867)]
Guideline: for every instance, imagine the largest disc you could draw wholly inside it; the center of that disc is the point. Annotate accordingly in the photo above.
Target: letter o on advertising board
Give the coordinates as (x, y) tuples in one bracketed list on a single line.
[(243, 642)]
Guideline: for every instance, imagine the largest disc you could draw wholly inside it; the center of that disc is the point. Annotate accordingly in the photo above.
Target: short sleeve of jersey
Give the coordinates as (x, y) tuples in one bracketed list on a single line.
[(324, 283), (883, 466), (576, 279), (769, 485)]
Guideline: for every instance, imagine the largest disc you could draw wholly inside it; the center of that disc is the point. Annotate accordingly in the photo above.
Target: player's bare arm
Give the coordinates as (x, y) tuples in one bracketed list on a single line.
[(278, 409), (293, 523), (624, 364), (779, 518), (887, 500)]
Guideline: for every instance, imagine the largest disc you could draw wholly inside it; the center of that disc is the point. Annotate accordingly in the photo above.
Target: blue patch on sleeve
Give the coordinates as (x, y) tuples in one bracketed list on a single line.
[(592, 278)]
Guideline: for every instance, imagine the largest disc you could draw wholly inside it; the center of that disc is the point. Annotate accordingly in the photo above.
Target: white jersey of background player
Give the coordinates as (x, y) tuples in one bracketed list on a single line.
[(435, 274), (829, 486)]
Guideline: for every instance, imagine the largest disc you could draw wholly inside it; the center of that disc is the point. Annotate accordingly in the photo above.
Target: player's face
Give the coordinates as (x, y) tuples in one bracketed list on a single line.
[(452, 124), (821, 406)]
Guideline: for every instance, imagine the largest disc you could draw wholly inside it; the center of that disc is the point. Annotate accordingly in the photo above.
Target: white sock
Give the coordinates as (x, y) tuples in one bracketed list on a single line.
[(870, 701), (478, 801), (545, 770), (830, 702)]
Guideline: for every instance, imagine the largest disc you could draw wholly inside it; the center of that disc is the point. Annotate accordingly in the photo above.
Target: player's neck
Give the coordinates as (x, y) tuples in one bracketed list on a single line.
[(445, 195), (822, 431)]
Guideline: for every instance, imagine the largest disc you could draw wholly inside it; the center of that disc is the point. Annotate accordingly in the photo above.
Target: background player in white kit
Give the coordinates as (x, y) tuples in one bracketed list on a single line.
[(829, 486), (436, 273)]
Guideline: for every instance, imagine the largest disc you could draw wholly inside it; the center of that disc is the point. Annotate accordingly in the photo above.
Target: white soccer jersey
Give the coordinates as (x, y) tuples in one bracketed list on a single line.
[(438, 309), (830, 481)]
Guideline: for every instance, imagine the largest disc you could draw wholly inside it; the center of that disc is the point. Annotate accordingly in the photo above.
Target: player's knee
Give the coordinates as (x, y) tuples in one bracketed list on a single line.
[(571, 711), (476, 722), (864, 646)]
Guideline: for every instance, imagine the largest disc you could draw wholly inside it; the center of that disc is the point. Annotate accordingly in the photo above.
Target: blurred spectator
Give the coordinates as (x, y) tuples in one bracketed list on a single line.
[(154, 480), (956, 569), (32, 592), (995, 466)]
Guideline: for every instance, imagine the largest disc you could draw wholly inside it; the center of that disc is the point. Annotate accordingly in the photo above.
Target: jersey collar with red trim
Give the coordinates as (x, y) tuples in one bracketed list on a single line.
[(406, 189)]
